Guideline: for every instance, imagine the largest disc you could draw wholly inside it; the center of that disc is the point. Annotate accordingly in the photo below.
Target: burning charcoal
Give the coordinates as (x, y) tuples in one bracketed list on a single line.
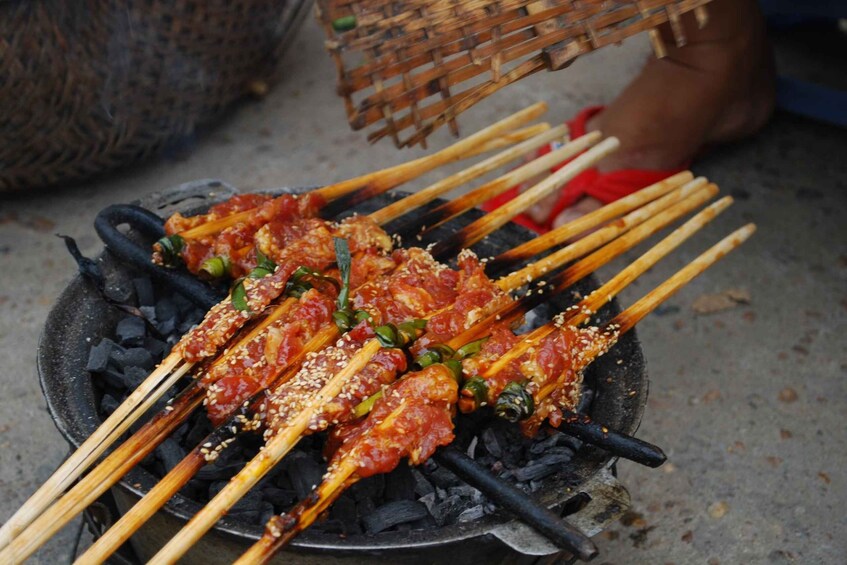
[(444, 478), (422, 486), (137, 357), (304, 473), (344, 511), (372, 487), (131, 331), (471, 514), (280, 498), (170, 453), (400, 484), (393, 513), (144, 291), (100, 354)]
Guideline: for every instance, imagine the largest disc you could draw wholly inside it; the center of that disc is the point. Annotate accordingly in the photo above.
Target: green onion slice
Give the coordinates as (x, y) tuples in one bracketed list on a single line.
[(365, 406), (471, 348), (344, 23), (217, 267), (514, 403)]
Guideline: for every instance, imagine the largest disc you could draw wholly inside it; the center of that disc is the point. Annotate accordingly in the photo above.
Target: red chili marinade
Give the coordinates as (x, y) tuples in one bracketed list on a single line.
[(290, 398), (237, 241), (314, 250), (556, 367), (257, 363), (477, 297), (412, 419), (412, 290), (253, 365)]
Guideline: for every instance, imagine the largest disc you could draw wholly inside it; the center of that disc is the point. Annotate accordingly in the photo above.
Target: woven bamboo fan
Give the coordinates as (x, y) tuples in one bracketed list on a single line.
[(407, 67)]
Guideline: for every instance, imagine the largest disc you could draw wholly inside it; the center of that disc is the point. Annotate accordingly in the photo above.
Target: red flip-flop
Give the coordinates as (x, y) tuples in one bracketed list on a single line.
[(605, 187)]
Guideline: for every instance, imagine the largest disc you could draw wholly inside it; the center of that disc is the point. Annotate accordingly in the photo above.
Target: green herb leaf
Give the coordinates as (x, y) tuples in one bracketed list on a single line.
[(343, 259), (238, 296), (365, 406)]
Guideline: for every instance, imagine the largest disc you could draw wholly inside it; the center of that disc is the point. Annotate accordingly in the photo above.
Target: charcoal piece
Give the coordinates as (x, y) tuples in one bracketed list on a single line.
[(266, 513), (585, 398), (100, 354), (473, 513), (134, 376), (555, 458), (169, 453), (399, 484), (249, 508), (156, 347), (535, 485), (119, 292), (199, 430), (372, 487), (108, 404), (305, 473), (465, 491), (183, 305), (422, 486), (365, 506), (540, 446), (444, 478), (144, 291), (446, 511), (149, 313), (166, 310), (344, 511), (114, 378), (425, 523), (393, 513), (131, 331), (282, 499), (430, 501), (186, 325), (133, 357), (166, 327), (215, 472), (534, 472)]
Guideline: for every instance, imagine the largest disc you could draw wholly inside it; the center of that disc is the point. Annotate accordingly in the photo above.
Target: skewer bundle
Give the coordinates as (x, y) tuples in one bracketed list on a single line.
[(417, 64), (333, 286)]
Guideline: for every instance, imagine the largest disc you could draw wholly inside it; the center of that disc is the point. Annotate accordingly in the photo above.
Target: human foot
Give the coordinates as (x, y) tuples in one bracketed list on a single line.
[(717, 88)]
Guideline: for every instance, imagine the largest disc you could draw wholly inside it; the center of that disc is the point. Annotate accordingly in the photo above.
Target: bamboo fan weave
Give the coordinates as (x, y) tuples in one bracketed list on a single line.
[(417, 64)]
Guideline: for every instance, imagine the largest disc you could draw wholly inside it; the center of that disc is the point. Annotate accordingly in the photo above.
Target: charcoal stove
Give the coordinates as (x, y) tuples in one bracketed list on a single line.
[(585, 488)]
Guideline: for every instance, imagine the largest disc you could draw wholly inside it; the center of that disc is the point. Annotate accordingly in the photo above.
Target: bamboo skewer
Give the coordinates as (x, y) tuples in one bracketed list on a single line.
[(595, 239), (207, 517), (156, 384), (385, 179), (509, 138), (75, 505), (280, 531), (594, 218), (537, 166), (179, 476), (273, 452), (430, 193), (475, 231)]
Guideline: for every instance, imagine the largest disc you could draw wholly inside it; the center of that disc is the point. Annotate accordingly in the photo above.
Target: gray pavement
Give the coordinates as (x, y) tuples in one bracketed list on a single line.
[(749, 403)]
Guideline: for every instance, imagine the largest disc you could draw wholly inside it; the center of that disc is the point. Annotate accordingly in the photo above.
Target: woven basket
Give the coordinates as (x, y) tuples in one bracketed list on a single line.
[(90, 85), (417, 64)]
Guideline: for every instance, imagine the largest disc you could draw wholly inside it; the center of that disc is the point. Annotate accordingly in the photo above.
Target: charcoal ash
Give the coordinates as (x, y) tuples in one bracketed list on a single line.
[(409, 498)]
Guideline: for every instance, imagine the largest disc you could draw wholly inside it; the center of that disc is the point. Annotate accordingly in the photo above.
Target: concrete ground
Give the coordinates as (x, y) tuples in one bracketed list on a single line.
[(749, 403)]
